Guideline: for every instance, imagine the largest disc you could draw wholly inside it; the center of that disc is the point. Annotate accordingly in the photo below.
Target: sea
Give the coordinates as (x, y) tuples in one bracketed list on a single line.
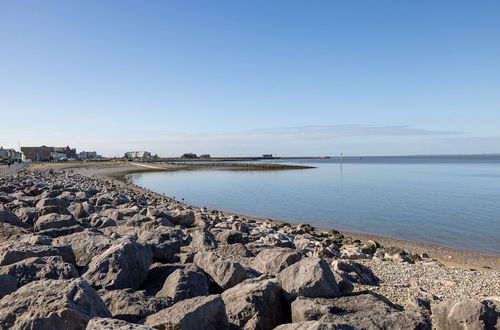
[(450, 201)]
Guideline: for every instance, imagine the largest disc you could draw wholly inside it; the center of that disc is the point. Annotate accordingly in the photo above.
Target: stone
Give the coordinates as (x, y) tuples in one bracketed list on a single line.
[(78, 211), (310, 277), (101, 323), (203, 313), (466, 314), (157, 275), (203, 240), (8, 284), (85, 244), (27, 214), (55, 224), (184, 284), (12, 252), (355, 272), (181, 217), (256, 303), (370, 247), (124, 265), (51, 304), (38, 268), (236, 250), (314, 325), (165, 242), (361, 311), (9, 218), (353, 253), (131, 306), (226, 273), (230, 237), (273, 261)]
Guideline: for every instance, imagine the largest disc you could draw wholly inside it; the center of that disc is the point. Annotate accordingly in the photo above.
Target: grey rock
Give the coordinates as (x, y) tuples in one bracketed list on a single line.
[(256, 303), (273, 261), (27, 214), (310, 277), (54, 220), (202, 313), (362, 311), (8, 284), (163, 241), (314, 325), (101, 323), (86, 245), (230, 237), (34, 269), (181, 217), (202, 240), (131, 306), (9, 218), (184, 284), (12, 252), (355, 272), (466, 314), (124, 265), (226, 273), (51, 304)]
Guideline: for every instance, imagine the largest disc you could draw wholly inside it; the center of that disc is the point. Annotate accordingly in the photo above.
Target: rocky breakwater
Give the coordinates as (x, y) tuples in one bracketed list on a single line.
[(91, 253)]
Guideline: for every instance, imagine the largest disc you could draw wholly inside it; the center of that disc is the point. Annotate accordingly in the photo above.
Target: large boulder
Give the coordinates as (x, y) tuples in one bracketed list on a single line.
[(34, 269), (51, 304), (106, 323), (273, 261), (226, 273), (12, 252), (467, 314), (11, 225), (55, 224), (8, 284), (9, 218), (256, 303), (131, 306), (202, 240), (184, 284), (27, 214), (355, 272), (310, 277), (203, 313), (86, 245), (362, 311), (124, 265), (165, 242), (180, 217), (314, 325)]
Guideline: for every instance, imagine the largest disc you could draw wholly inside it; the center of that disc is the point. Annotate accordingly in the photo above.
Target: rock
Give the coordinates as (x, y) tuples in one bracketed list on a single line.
[(12, 252), (34, 269), (203, 240), (395, 254), (203, 313), (370, 247), (256, 303), (8, 284), (353, 253), (124, 265), (184, 284), (163, 241), (51, 304), (310, 277), (361, 311), (157, 275), (100, 323), (27, 214), (230, 237), (131, 306), (273, 261), (465, 314), (314, 325), (355, 272), (78, 211), (224, 272), (9, 218), (86, 245), (32, 191), (55, 224), (184, 217), (236, 250), (44, 202), (344, 284)]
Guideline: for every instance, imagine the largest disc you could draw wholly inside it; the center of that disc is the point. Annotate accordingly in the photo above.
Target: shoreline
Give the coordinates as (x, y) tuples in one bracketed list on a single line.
[(464, 259)]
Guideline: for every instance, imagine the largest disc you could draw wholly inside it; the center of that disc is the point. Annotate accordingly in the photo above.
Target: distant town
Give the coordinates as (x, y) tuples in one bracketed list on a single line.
[(58, 154)]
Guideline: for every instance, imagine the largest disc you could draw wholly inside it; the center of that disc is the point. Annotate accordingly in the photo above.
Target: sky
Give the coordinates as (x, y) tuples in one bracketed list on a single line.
[(245, 78)]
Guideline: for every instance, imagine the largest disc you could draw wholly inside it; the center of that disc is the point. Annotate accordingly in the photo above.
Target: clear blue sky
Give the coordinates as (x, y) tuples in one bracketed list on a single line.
[(252, 77)]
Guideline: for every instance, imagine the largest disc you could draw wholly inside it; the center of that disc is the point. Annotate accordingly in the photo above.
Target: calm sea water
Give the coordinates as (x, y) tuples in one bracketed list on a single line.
[(451, 202)]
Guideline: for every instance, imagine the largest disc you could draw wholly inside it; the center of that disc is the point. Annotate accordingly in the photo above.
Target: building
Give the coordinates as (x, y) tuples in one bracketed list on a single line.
[(137, 154), (10, 154), (44, 153), (88, 155), (189, 155)]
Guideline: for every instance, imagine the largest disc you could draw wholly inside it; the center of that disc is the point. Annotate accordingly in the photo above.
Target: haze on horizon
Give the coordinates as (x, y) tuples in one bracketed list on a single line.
[(243, 78)]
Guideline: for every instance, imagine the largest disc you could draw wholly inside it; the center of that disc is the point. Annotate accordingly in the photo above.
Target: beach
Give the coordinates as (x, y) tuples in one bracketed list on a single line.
[(100, 214)]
